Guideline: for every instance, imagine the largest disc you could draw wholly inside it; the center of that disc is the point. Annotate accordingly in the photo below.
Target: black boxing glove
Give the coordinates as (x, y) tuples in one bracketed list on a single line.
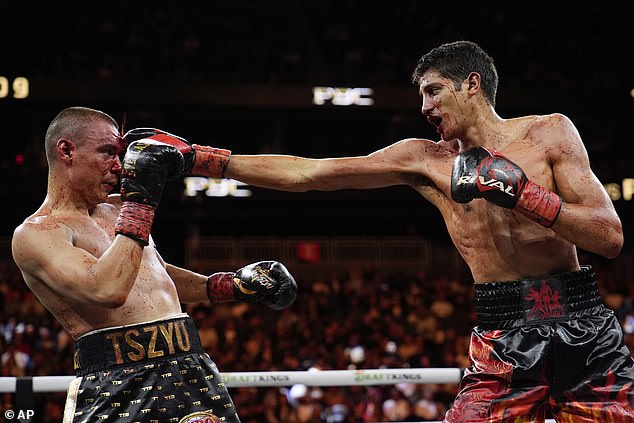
[(268, 282), (483, 173), (465, 173), (147, 166), (199, 159)]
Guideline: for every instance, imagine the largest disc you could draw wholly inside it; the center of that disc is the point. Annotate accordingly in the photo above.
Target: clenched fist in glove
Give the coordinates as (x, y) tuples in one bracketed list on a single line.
[(199, 159), (484, 173), (268, 282), (147, 166)]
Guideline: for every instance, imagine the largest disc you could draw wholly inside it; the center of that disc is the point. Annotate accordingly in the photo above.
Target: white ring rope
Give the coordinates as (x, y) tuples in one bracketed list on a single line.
[(285, 378), (271, 379)]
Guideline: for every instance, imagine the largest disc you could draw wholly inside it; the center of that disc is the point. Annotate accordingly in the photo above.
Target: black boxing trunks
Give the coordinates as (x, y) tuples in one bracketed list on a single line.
[(545, 347), (153, 372)]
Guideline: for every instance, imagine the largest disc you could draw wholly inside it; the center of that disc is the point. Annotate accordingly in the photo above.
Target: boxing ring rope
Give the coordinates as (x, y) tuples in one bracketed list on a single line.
[(362, 377), (284, 378)]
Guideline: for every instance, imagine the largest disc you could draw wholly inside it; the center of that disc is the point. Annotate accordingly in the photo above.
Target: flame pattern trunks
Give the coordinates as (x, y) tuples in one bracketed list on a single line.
[(151, 372), (545, 347)]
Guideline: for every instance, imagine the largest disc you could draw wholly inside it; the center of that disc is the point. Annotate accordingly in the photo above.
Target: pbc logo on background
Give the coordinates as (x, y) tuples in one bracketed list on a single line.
[(343, 96)]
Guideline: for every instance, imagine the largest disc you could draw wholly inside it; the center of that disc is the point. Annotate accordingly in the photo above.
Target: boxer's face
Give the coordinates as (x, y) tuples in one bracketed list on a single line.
[(444, 106), (98, 164)]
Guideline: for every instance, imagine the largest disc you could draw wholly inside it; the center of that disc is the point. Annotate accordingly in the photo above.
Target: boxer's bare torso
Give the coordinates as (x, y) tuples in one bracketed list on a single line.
[(497, 243), (51, 231)]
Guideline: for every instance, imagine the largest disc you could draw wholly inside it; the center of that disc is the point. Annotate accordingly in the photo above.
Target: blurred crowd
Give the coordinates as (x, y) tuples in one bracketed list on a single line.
[(357, 319)]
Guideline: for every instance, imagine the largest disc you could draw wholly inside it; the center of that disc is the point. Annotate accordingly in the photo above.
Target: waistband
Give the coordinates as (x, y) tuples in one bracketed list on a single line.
[(543, 298), (135, 344)]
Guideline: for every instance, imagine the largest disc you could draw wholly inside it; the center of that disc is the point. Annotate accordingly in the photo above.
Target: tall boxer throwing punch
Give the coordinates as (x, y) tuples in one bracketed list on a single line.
[(517, 196), (89, 258)]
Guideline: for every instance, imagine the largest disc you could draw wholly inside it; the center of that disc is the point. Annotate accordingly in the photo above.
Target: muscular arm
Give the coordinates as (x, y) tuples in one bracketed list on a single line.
[(47, 256), (392, 165), (191, 286), (587, 217)]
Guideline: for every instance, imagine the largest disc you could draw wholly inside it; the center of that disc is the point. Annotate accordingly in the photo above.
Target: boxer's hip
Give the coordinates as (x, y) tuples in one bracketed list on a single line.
[(136, 344), (554, 297)]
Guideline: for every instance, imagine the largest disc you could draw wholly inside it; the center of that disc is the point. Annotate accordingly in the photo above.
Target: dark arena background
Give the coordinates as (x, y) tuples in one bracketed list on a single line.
[(380, 283)]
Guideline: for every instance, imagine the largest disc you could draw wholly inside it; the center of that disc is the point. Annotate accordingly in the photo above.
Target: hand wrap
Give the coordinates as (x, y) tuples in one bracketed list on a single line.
[(135, 221)]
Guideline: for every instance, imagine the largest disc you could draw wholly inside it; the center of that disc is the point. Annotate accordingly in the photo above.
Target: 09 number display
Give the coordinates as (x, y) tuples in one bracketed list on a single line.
[(16, 88)]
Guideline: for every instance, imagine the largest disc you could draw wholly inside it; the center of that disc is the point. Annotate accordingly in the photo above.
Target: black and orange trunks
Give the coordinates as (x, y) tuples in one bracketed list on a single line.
[(545, 347)]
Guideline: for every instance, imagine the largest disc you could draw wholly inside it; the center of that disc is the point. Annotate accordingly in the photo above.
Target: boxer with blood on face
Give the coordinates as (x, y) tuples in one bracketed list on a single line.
[(89, 257), (518, 196)]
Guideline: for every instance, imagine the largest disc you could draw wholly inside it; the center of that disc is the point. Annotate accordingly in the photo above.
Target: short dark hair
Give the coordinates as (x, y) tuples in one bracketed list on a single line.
[(456, 61), (72, 123)]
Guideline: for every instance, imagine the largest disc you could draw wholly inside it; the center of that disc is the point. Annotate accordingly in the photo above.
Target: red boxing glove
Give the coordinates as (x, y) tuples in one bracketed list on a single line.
[(199, 159), (483, 173)]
